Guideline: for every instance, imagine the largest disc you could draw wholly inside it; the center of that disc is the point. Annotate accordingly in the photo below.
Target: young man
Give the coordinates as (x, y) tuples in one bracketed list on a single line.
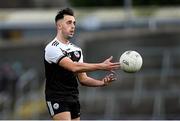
[(64, 66)]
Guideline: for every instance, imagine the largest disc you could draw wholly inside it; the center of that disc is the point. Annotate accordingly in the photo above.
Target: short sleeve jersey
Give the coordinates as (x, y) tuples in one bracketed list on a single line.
[(60, 82)]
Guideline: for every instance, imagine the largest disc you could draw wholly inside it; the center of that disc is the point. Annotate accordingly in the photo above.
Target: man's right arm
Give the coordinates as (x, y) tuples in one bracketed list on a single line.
[(77, 67), (54, 55)]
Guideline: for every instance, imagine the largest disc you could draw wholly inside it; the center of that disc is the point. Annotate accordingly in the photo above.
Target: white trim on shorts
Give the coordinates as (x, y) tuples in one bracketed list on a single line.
[(50, 108)]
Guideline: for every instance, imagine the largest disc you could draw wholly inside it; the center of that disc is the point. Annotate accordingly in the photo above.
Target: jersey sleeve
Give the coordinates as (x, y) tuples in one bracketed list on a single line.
[(53, 54)]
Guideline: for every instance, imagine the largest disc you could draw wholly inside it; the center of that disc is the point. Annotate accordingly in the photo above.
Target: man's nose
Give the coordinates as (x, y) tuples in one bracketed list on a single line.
[(73, 26)]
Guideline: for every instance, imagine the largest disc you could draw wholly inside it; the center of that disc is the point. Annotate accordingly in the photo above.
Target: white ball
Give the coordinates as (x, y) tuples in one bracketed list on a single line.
[(131, 61)]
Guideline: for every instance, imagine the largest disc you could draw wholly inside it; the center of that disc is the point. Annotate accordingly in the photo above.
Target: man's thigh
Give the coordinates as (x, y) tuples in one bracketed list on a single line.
[(62, 116)]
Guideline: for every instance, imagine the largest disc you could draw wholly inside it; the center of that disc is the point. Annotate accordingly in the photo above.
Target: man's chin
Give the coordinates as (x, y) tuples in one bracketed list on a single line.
[(70, 36)]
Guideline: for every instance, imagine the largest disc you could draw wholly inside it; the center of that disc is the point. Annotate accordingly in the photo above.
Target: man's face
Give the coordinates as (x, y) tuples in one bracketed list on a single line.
[(67, 26)]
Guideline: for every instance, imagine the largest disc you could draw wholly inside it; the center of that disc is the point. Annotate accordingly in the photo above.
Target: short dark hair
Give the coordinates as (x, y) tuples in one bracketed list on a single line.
[(62, 12)]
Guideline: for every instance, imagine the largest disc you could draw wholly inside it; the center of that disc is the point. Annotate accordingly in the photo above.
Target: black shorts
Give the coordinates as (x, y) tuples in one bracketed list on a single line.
[(73, 106)]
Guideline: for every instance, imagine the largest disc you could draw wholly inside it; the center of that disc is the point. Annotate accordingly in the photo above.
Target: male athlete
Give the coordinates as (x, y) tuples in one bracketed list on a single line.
[(64, 66)]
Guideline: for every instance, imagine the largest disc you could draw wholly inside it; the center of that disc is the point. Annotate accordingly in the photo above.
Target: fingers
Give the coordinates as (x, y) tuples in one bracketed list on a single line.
[(114, 74), (110, 58), (109, 78), (108, 65), (115, 66), (112, 77)]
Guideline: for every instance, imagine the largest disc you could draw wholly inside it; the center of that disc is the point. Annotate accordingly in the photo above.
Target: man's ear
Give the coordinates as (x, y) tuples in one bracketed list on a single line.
[(59, 25)]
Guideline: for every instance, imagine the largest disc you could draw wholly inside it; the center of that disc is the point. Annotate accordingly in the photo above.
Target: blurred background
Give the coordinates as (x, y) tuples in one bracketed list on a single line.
[(104, 28)]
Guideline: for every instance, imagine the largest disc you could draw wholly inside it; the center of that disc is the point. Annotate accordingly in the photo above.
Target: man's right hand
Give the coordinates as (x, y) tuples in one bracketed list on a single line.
[(109, 66)]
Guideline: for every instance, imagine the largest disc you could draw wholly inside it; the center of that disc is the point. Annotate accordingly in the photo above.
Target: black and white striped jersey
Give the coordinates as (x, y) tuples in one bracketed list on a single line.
[(60, 81)]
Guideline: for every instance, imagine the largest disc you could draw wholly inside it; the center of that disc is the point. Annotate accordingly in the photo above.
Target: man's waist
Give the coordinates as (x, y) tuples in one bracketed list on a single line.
[(61, 95)]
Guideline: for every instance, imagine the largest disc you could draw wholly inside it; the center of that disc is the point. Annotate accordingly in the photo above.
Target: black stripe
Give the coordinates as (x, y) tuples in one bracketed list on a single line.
[(60, 59)]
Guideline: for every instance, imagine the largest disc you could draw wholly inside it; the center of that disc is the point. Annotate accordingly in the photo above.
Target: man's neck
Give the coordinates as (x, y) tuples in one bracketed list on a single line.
[(62, 39)]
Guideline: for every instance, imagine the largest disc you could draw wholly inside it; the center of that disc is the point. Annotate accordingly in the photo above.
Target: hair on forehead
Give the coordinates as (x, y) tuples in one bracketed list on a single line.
[(62, 12)]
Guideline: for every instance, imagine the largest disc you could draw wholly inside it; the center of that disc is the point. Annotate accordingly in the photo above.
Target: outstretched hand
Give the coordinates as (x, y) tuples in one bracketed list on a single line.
[(108, 65), (109, 78)]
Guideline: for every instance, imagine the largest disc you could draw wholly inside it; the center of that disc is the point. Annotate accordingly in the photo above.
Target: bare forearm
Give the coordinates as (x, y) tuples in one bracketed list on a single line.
[(92, 82), (85, 67)]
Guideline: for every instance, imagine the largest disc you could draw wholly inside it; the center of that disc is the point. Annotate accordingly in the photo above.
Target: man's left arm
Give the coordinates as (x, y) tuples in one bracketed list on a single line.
[(91, 82)]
